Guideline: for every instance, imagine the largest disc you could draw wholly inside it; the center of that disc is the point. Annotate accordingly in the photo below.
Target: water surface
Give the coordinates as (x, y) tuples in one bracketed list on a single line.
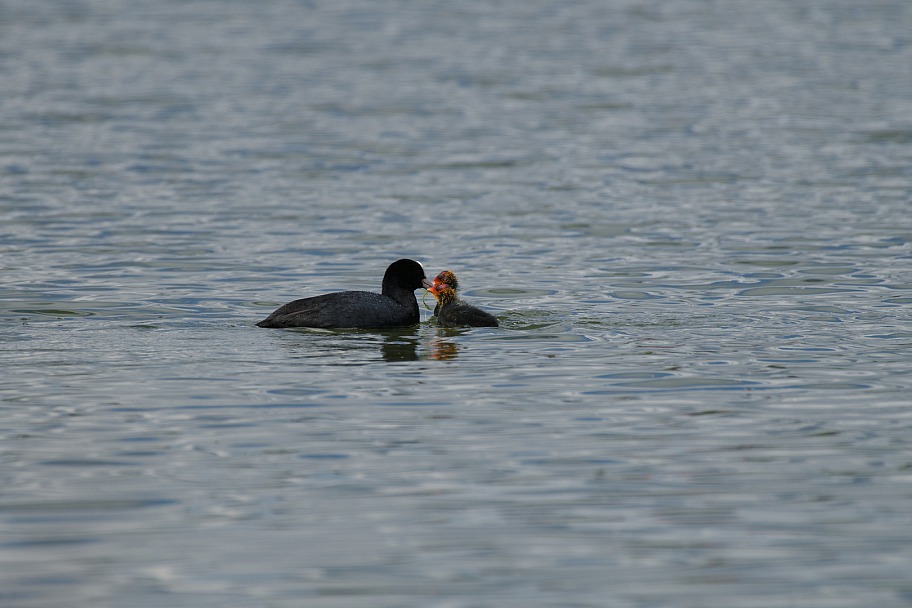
[(692, 221)]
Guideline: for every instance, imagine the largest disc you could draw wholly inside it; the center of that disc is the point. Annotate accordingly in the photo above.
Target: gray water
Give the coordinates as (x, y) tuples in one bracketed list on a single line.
[(692, 219)]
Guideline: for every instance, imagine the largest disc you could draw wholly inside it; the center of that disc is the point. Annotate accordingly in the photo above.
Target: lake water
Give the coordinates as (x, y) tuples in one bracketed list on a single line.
[(693, 220)]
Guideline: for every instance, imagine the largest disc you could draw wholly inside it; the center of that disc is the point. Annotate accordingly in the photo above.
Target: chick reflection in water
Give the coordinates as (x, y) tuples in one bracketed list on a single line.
[(443, 349)]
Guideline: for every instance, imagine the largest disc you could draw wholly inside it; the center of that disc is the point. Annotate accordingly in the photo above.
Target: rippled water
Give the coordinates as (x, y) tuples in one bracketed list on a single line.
[(691, 218)]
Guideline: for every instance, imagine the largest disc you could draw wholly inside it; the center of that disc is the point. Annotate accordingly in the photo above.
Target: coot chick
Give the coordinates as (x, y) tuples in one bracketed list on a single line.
[(394, 306), (455, 313), (447, 277)]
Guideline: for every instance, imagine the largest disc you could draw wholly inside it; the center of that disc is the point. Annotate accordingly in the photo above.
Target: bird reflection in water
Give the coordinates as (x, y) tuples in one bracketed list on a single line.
[(443, 349), (444, 346), (401, 345), (347, 347)]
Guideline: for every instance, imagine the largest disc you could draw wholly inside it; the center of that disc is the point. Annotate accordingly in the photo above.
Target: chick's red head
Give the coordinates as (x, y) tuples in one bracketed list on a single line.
[(447, 277), (443, 292)]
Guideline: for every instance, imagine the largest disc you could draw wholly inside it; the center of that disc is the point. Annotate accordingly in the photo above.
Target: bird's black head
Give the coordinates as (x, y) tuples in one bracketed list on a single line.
[(404, 274)]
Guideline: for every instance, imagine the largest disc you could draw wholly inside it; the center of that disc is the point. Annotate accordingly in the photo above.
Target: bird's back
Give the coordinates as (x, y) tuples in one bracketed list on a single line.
[(459, 313), (344, 309)]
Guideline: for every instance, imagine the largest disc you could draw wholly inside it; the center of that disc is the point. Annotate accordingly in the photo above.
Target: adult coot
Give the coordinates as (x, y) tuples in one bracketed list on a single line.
[(455, 312), (395, 306)]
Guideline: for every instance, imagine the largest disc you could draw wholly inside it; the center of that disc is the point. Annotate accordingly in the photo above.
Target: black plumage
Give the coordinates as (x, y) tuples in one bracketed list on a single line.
[(394, 306), (454, 312)]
